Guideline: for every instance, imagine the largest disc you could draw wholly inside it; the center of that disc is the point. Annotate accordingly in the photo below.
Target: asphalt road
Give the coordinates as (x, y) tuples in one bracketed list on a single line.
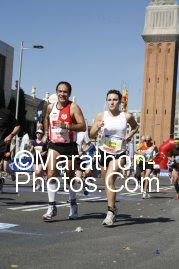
[(144, 236)]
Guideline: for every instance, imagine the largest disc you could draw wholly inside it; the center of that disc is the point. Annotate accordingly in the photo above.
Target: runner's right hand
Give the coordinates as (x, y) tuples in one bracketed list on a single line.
[(100, 124), (45, 138)]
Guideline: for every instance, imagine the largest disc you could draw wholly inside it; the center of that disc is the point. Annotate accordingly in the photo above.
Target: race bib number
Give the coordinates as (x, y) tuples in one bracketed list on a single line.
[(112, 144)]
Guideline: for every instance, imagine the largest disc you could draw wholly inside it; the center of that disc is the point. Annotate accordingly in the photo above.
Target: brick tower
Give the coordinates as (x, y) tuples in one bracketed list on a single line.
[(161, 35)]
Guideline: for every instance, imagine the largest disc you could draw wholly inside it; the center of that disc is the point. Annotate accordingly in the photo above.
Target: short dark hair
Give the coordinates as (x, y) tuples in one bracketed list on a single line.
[(67, 84), (115, 92)]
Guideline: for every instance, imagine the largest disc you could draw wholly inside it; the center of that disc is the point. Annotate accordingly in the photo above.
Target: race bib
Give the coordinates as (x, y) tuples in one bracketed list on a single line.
[(59, 135), (112, 144), (149, 154), (38, 148)]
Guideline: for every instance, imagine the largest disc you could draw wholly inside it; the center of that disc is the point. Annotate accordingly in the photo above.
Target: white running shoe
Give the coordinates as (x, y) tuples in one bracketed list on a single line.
[(145, 195), (110, 219), (51, 212), (73, 211)]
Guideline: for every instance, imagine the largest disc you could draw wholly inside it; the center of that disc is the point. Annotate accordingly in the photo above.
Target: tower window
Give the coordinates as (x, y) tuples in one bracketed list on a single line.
[(147, 111), (165, 112), (149, 80), (169, 50), (156, 111)]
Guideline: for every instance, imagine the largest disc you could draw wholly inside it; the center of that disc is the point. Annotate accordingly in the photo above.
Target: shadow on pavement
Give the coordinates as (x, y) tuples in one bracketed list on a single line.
[(134, 221), (25, 203)]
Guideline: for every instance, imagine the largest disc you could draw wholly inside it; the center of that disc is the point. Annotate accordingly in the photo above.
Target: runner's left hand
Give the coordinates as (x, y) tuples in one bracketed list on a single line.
[(127, 138), (8, 139)]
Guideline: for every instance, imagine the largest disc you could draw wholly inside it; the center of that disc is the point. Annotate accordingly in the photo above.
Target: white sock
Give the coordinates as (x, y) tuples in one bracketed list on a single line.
[(72, 194), (51, 193)]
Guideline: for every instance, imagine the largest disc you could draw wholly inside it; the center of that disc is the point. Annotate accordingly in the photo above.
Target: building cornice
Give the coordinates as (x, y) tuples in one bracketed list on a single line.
[(161, 23)]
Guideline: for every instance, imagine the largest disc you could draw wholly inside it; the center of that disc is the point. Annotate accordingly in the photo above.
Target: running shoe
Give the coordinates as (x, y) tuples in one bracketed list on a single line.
[(110, 219), (51, 212), (145, 195)]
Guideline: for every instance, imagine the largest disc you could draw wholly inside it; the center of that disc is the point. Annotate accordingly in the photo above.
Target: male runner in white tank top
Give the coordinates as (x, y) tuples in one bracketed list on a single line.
[(63, 119), (114, 138)]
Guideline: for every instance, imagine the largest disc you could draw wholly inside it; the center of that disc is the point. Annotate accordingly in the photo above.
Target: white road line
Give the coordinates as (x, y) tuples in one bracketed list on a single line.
[(101, 199), (7, 226), (45, 207), (132, 194), (90, 198), (63, 192), (153, 190), (166, 188), (29, 206)]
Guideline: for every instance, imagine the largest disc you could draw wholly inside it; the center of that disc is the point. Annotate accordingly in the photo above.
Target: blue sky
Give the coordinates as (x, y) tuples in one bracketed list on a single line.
[(96, 45)]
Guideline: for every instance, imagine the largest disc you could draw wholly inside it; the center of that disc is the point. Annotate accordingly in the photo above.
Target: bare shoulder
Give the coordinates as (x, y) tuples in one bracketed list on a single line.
[(74, 108), (128, 115), (99, 116), (49, 108)]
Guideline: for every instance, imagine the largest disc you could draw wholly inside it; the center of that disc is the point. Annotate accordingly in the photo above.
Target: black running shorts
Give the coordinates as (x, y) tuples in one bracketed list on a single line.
[(67, 149), (101, 161)]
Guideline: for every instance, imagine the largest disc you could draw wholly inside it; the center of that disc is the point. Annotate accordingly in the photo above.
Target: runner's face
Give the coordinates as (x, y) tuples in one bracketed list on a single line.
[(113, 101), (148, 140), (39, 135), (63, 93)]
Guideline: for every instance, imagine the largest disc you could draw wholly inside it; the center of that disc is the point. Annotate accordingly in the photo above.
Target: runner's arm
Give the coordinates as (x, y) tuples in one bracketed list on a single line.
[(96, 126), (15, 131), (133, 124), (77, 116), (46, 123)]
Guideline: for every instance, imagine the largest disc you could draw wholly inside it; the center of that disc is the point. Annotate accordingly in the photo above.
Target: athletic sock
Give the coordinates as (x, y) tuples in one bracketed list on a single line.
[(111, 209), (51, 193), (72, 194)]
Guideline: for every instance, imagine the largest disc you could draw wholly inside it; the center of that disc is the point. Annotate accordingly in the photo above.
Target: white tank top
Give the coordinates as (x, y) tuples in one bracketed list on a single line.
[(114, 131)]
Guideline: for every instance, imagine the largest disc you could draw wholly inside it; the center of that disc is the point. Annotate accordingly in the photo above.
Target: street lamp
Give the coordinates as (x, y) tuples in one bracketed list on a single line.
[(22, 48)]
